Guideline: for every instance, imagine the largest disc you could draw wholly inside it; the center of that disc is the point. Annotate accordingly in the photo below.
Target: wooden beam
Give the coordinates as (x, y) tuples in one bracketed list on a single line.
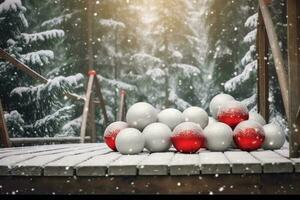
[(21, 66), (91, 126), (293, 12), (90, 17), (277, 55), (101, 99), (122, 111), (3, 129), (262, 70), (86, 107)]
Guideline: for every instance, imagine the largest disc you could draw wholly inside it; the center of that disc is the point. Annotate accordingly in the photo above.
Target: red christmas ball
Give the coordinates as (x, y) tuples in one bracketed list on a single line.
[(188, 137), (249, 135), (232, 113), (111, 133)]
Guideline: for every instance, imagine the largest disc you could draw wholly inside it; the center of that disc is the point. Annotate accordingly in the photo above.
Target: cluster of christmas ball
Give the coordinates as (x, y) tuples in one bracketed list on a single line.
[(231, 125)]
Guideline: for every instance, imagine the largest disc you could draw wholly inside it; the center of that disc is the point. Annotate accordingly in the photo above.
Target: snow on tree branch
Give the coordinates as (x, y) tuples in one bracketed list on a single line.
[(112, 23), (155, 73), (58, 20), (252, 21), (118, 84), (188, 70), (248, 56), (40, 57), (54, 120), (245, 75), (251, 36), (43, 36), (11, 6)]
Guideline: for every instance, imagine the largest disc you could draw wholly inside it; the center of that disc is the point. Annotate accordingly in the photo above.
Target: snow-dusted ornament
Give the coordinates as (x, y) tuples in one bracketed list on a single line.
[(171, 117), (211, 120), (275, 137), (196, 115), (188, 137), (257, 117), (232, 113), (158, 137), (219, 136), (130, 141), (217, 102), (249, 135), (111, 133), (140, 115)]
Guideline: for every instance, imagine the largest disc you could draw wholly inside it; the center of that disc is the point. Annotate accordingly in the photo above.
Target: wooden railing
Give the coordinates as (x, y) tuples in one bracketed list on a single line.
[(88, 122), (289, 83)]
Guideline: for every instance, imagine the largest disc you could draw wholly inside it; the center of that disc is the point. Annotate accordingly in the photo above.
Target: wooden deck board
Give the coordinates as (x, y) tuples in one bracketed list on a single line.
[(243, 162), (156, 164), (185, 164), (296, 161), (96, 166), (34, 165), (273, 162), (65, 166), (126, 165), (214, 163)]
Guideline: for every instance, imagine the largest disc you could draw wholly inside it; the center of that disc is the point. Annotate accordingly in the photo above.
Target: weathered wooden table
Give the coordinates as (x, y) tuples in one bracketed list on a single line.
[(94, 169)]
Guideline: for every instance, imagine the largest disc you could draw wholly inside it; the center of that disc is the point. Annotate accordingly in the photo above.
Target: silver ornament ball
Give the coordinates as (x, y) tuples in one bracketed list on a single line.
[(274, 137), (171, 117), (196, 115), (217, 102), (140, 115), (158, 137), (257, 117), (130, 141), (219, 136)]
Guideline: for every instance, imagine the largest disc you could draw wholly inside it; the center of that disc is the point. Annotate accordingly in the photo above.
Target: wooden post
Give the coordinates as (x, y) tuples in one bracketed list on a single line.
[(122, 111), (278, 59), (293, 10), (91, 125), (90, 17), (262, 70), (101, 99), (86, 107), (3, 129)]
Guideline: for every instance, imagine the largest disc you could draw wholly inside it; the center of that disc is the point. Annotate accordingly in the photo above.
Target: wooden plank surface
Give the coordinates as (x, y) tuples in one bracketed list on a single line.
[(273, 162), (96, 166), (243, 162), (126, 165), (296, 161), (156, 164), (214, 163), (31, 164), (185, 164), (65, 166)]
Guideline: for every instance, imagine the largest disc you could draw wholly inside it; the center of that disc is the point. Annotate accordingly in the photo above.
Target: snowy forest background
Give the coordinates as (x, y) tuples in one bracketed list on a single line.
[(177, 53)]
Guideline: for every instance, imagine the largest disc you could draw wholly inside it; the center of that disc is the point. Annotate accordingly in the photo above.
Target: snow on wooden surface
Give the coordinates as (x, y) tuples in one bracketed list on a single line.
[(99, 160)]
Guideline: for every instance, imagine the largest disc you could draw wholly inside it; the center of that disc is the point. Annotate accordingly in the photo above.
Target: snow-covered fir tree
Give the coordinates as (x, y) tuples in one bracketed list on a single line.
[(34, 109)]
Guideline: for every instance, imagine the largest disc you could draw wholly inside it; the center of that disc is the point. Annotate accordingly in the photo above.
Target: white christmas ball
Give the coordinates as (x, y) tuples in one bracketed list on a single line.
[(211, 120), (217, 102), (218, 136), (196, 115), (274, 137), (257, 117), (130, 141), (171, 117), (158, 137), (140, 115)]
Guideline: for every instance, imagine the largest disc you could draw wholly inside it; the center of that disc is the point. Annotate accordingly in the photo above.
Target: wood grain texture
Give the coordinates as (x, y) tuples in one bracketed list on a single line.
[(214, 163), (185, 164), (273, 162), (243, 162)]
